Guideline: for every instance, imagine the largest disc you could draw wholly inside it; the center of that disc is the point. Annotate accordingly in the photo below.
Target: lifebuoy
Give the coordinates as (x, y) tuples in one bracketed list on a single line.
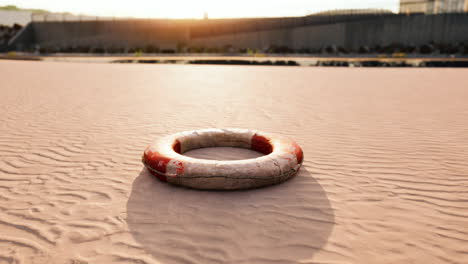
[(283, 159)]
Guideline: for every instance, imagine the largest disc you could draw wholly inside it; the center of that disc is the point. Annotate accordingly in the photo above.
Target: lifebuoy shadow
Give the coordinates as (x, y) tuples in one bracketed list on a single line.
[(278, 224)]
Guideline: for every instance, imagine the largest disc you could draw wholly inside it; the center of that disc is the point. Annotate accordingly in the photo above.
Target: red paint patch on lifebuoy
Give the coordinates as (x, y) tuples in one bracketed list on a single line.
[(261, 144), (156, 162), (159, 176), (298, 152), (179, 168)]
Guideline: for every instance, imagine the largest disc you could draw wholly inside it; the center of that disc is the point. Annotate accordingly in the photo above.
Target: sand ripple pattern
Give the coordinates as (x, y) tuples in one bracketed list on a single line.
[(385, 176)]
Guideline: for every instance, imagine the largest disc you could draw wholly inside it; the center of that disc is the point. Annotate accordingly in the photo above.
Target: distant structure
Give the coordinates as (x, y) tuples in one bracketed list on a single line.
[(433, 6), (205, 15), (354, 12)]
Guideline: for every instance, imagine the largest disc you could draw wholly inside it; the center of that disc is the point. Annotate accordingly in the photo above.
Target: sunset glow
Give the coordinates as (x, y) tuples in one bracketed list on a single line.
[(196, 9)]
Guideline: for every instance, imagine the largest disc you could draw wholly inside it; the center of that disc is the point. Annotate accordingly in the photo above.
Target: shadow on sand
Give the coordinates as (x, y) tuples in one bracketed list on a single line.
[(279, 224)]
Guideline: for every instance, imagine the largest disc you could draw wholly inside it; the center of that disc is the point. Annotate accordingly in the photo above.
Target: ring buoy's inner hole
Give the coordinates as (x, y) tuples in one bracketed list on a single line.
[(223, 146), (223, 153)]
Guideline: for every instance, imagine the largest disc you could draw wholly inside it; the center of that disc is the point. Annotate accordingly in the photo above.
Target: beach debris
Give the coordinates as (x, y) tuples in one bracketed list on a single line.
[(164, 159)]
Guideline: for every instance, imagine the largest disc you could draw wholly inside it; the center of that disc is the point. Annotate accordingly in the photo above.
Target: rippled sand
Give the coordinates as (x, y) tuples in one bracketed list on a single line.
[(385, 178)]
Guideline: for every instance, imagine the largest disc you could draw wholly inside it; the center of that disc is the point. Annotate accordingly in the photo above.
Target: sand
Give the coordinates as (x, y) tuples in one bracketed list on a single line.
[(385, 176)]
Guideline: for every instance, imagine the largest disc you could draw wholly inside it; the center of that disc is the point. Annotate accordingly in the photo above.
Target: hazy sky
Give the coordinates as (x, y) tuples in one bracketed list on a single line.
[(196, 8)]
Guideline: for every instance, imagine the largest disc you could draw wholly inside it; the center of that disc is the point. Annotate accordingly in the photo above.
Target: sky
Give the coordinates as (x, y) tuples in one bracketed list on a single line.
[(197, 8)]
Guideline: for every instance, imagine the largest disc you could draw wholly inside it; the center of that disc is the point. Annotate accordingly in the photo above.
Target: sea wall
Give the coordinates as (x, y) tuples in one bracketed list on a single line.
[(408, 30), (106, 34), (385, 30), (296, 33)]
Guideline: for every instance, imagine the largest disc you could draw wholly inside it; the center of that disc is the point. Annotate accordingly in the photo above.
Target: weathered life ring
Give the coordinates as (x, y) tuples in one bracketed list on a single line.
[(283, 159)]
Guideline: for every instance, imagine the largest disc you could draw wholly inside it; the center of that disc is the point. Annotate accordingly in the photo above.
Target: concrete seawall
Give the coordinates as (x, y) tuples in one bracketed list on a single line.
[(110, 33), (296, 33)]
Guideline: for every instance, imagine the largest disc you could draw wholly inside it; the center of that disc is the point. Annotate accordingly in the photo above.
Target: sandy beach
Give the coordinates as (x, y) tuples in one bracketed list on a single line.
[(385, 175)]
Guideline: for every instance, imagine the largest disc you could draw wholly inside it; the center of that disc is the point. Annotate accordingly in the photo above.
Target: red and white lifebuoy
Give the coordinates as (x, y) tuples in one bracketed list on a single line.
[(283, 159)]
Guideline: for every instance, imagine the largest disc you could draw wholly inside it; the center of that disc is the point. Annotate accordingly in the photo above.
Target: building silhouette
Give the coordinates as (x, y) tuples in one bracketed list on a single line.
[(433, 6)]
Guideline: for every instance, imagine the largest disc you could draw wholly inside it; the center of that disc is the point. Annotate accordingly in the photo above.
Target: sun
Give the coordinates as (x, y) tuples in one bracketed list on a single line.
[(168, 9), (177, 9)]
